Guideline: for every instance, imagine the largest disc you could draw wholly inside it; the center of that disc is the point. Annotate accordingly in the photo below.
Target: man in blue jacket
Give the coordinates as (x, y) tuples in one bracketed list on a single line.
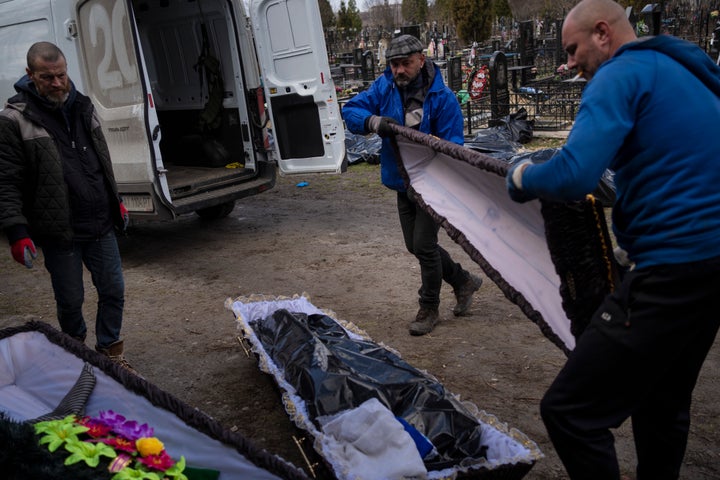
[(411, 92), (650, 113)]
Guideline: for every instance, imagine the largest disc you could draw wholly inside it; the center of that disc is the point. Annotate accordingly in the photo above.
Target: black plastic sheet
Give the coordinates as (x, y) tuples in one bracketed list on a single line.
[(333, 372), (495, 142), (504, 137), (361, 148), (518, 126)]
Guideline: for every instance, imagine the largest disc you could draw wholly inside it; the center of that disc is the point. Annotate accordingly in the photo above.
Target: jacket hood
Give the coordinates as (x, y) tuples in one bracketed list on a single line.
[(25, 85), (685, 53)]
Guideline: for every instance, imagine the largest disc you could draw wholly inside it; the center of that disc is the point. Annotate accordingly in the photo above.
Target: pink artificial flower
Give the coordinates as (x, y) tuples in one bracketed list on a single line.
[(120, 443), (96, 428), (160, 462)]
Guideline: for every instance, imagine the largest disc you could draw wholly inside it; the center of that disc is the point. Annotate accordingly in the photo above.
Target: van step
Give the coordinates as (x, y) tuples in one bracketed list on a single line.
[(209, 198)]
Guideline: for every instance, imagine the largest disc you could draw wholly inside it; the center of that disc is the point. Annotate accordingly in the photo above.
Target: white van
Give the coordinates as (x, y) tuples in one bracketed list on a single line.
[(187, 91)]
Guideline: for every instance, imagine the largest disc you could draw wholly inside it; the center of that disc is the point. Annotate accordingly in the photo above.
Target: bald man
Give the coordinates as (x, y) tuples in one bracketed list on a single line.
[(649, 113)]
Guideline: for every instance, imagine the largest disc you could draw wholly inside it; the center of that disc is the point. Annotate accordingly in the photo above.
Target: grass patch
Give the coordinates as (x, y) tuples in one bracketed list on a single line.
[(539, 143)]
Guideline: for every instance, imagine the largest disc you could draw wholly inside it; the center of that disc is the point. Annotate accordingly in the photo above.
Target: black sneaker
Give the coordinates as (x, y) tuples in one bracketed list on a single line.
[(425, 321), (464, 294)]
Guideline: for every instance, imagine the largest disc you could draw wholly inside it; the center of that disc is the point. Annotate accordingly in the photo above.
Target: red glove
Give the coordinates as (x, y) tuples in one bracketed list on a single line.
[(125, 215), (24, 251)]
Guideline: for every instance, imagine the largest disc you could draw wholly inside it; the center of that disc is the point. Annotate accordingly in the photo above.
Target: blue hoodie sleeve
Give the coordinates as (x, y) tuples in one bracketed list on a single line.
[(605, 118)]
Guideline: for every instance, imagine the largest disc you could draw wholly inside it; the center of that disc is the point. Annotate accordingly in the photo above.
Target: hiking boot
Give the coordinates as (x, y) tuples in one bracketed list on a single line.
[(464, 294), (115, 353), (425, 321)]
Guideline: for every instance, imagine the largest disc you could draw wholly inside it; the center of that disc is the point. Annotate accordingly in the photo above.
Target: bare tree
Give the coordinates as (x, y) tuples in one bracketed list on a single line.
[(380, 14), (528, 9)]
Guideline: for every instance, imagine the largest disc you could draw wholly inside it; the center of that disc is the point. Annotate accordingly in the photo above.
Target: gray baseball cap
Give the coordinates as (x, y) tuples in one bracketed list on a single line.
[(403, 46)]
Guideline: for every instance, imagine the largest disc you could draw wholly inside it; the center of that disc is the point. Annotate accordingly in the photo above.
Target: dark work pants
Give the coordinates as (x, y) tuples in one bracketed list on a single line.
[(102, 259), (639, 358), (420, 233)]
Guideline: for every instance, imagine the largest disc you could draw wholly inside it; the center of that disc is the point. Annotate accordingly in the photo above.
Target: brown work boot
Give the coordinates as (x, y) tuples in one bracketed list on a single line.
[(464, 294), (115, 353), (425, 321)]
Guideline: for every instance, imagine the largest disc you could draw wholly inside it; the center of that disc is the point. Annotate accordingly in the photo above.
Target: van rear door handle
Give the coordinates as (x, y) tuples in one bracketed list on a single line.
[(156, 132)]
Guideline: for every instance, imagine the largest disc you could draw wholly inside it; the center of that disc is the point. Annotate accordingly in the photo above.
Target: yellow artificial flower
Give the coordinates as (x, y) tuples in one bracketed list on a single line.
[(149, 446)]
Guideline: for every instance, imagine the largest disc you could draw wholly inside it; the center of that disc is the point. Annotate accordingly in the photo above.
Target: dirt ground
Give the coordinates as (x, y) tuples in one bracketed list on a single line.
[(337, 239)]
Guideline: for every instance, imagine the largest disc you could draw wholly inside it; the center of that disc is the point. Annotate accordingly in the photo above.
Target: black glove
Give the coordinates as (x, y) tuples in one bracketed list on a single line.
[(380, 125)]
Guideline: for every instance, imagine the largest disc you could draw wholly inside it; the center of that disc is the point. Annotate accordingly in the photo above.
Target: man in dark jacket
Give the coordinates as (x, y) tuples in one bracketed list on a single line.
[(411, 92), (57, 190)]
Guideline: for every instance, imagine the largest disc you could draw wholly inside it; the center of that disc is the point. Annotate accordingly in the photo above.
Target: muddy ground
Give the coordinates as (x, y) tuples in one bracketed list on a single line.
[(337, 239)]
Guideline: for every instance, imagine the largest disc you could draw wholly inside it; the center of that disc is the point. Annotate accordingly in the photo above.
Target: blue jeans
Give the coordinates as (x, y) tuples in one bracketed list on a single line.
[(420, 233), (102, 259)]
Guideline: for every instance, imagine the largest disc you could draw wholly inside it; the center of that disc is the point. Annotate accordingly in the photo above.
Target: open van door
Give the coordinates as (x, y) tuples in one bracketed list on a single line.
[(307, 127)]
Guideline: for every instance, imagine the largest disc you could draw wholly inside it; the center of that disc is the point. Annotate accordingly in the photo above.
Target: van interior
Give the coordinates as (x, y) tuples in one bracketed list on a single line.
[(210, 123)]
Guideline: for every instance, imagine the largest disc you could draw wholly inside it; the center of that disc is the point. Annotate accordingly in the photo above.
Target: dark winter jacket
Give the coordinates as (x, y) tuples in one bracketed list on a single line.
[(56, 178)]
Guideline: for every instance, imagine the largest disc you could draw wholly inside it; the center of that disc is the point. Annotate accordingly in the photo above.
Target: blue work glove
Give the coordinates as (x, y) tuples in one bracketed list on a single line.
[(513, 179), (24, 251), (380, 125)]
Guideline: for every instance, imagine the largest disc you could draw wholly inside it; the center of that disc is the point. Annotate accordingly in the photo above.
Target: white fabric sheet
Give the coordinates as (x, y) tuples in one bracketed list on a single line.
[(376, 444)]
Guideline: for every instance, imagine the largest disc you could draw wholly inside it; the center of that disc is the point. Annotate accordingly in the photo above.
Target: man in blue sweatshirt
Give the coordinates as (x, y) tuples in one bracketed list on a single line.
[(649, 113)]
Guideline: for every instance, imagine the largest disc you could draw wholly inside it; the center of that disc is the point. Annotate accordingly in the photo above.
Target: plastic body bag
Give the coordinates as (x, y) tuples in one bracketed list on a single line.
[(333, 372)]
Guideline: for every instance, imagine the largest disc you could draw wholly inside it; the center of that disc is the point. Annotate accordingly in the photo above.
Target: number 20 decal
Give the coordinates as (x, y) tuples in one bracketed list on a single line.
[(114, 40)]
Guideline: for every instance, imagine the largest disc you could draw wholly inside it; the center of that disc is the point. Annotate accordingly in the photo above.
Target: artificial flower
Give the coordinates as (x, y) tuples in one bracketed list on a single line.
[(120, 443), (132, 474), (176, 471), (88, 452), (121, 461), (57, 432), (110, 418), (149, 446), (161, 462), (132, 430), (96, 428), (134, 452)]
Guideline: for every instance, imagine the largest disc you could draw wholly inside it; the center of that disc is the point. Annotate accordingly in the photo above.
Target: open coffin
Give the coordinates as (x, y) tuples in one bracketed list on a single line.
[(40, 365), (553, 260), (370, 414)]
